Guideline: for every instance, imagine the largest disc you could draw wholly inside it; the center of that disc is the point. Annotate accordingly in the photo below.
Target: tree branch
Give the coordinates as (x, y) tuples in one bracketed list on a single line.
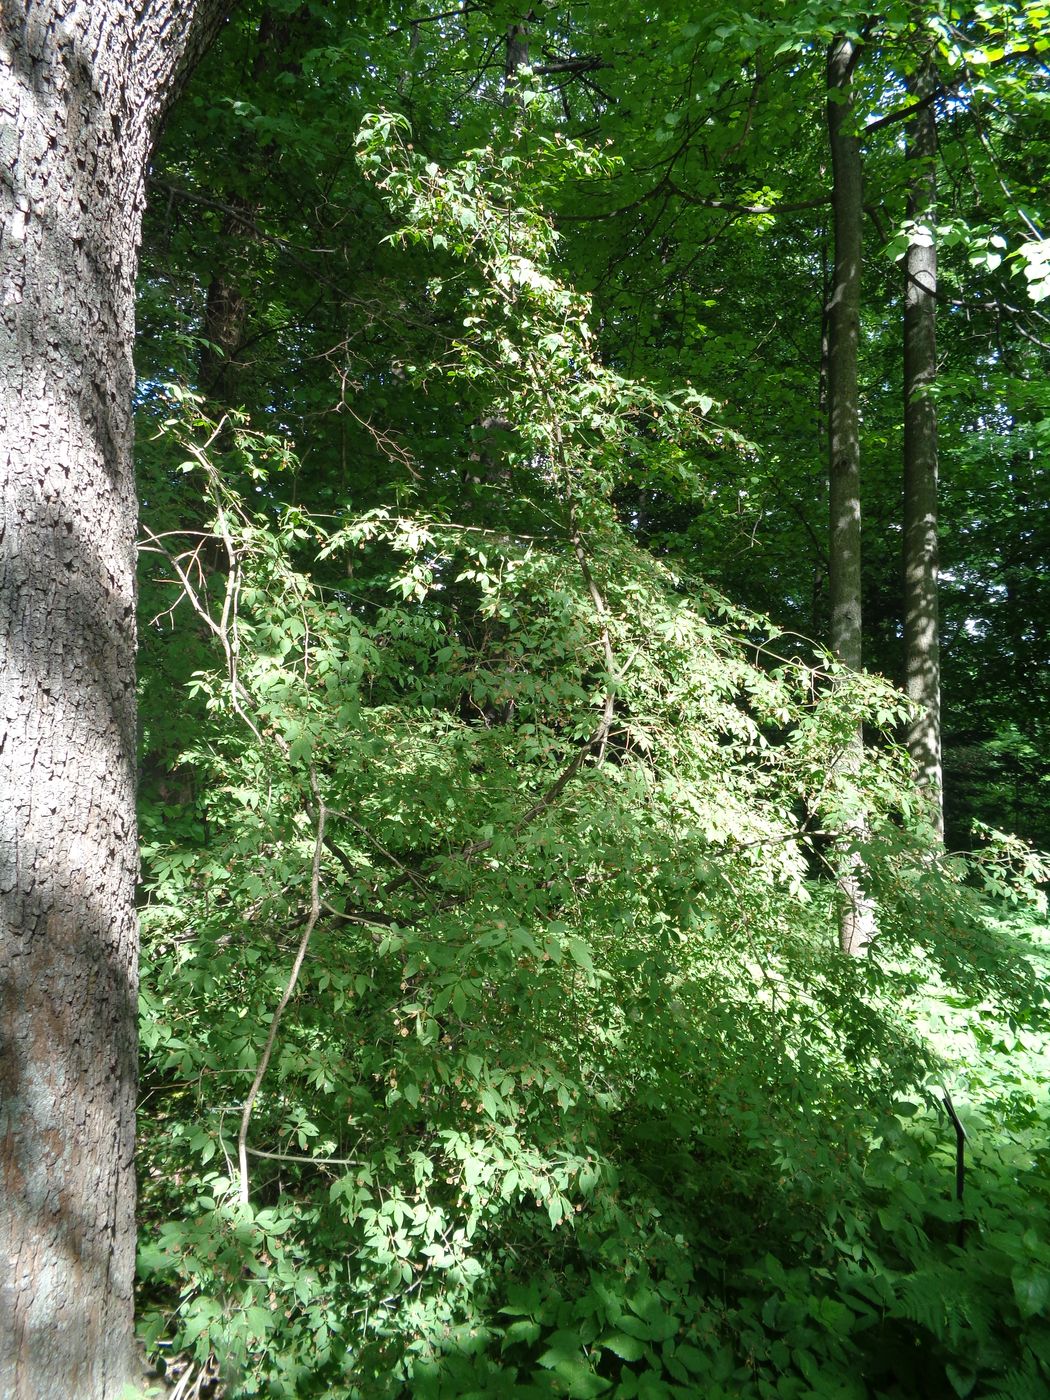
[(459, 10), (275, 1020), (909, 109), (733, 207)]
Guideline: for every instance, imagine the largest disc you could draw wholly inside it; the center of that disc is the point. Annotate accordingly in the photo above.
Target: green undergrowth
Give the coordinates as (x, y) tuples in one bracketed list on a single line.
[(711, 1207), (574, 1094), (496, 1040)]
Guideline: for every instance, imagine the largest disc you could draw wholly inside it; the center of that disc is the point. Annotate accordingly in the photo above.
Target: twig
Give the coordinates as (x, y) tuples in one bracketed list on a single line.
[(456, 13), (602, 611), (302, 1157), (407, 872), (275, 1021), (960, 1165)]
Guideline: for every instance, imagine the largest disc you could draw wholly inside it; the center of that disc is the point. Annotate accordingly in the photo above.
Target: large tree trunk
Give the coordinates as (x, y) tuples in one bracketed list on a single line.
[(82, 88), (843, 320), (922, 662)]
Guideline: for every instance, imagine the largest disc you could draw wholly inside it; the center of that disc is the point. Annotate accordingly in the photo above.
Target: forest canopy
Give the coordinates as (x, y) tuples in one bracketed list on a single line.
[(525, 735)]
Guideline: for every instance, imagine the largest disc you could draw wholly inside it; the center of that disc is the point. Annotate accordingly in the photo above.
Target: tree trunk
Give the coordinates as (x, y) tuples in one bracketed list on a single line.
[(82, 89), (279, 44), (225, 313), (855, 920), (843, 342), (922, 662), (516, 57)]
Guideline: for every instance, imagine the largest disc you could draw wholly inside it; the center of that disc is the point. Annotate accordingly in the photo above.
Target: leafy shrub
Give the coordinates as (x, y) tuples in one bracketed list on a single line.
[(496, 1040)]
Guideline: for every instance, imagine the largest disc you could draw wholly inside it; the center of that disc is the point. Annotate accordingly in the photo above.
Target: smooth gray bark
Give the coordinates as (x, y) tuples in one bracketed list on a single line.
[(82, 89), (843, 322), (922, 662), (843, 343)]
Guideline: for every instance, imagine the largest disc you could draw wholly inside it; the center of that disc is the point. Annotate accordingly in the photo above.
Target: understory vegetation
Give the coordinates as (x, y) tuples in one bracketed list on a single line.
[(496, 1039)]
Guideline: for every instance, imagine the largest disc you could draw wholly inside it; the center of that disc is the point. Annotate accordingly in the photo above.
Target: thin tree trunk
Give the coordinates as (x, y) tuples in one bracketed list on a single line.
[(843, 343), (82, 88), (922, 662), (855, 918), (818, 620)]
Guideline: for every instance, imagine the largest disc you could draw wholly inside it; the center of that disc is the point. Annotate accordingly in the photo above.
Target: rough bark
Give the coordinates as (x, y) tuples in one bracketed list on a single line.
[(82, 90), (922, 663), (843, 328), (225, 312), (516, 58)]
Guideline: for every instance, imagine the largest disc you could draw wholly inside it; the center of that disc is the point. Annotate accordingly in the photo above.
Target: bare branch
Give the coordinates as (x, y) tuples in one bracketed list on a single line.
[(411, 24), (275, 1020)]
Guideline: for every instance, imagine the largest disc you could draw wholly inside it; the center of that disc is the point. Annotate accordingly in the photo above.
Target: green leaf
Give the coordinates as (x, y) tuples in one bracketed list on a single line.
[(962, 1382), (627, 1348), (1031, 1290), (581, 955), (260, 1320), (564, 1359), (692, 1357), (524, 1330)]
